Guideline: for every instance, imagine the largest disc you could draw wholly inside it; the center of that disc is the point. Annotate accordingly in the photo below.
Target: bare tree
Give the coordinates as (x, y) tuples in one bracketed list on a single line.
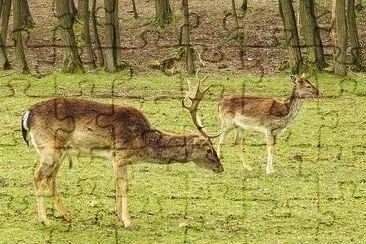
[(71, 60), (17, 36), (186, 42), (163, 12), (112, 53), (339, 23), (314, 46), (5, 7), (356, 54), (134, 10), (244, 5), (84, 14), (94, 23), (235, 15), (292, 39)]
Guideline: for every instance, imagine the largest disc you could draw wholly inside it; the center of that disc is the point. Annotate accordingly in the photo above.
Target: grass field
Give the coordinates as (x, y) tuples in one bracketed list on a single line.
[(319, 199)]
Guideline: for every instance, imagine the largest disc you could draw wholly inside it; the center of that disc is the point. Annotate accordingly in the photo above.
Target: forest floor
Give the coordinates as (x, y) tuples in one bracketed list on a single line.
[(260, 50)]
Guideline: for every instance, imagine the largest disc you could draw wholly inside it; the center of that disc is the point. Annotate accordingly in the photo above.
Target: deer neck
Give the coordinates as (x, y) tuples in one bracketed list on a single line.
[(294, 105), (164, 148)]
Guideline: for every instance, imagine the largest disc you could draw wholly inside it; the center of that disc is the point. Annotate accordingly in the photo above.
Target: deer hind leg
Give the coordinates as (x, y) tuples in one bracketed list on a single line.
[(271, 141), (221, 142), (238, 142), (226, 126), (120, 171), (51, 180), (50, 160)]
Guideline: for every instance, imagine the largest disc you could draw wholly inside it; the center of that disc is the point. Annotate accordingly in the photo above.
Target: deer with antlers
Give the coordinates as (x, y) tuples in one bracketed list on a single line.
[(242, 112), (62, 127)]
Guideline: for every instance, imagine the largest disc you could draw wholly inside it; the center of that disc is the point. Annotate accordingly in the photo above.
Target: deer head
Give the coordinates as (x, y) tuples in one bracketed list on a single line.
[(303, 87)]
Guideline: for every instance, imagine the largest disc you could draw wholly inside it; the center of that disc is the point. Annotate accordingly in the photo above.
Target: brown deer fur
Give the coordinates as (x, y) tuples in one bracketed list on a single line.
[(265, 115), (60, 128)]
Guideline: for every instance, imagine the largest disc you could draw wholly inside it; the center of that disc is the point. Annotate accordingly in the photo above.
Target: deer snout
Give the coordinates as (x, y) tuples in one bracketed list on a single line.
[(219, 169)]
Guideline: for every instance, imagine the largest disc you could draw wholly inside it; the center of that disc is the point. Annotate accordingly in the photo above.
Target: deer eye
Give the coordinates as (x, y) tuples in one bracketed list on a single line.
[(209, 151)]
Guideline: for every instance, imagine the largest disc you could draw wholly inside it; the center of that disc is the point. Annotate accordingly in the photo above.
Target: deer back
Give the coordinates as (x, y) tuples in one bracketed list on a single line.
[(251, 106), (77, 123)]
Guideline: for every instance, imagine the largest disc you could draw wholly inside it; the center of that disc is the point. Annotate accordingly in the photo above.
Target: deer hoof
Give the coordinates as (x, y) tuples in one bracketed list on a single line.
[(131, 228), (66, 217), (46, 223)]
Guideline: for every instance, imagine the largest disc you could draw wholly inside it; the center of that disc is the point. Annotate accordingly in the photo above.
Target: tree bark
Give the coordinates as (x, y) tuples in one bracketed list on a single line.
[(85, 32), (5, 13), (235, 15), (27, 19), (17, 36), (314, 46), (163, 12), (244, 5), (5, 7), (356, 54), (291, 35), (134, 10), (186, 42), (339, 36), (98, 46), (71, 60), (112, 52)]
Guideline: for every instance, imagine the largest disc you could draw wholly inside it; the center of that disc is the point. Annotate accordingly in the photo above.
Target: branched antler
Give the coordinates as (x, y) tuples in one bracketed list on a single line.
[(195, 95)]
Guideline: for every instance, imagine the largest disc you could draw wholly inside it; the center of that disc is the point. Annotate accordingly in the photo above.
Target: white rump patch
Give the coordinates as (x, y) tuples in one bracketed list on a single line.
[(25, 120)]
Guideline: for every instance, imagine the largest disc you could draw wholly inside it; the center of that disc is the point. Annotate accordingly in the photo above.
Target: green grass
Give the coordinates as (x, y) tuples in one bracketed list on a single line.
[(321, 199)]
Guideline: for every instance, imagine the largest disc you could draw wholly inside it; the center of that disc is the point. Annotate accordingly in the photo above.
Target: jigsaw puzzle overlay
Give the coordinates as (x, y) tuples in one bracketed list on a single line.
[(316, 194)]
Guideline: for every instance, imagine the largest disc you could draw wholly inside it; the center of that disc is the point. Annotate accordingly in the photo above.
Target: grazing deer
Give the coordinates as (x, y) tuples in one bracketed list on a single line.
[(265, 115), (61, 128)]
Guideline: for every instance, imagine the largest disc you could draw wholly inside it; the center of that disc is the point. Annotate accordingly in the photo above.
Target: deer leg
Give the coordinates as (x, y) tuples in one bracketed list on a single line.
[(239, 146), (271, 141), (120, 171), (49, 162), (221, 141), (51, 180)]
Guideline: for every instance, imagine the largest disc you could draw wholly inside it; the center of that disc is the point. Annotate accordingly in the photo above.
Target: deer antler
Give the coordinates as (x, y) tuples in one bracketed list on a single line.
[(195, 95)]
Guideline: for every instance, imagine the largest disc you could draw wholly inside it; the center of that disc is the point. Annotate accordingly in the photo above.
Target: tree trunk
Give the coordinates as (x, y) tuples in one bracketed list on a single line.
[(98, 46), (27, 19), (17, 36), (233, 7), (291, 35), (5, 13), (340, 37), (244, 5), (5, 7), (134, 10), (85, 32), (314, 46), (186, 42), (71, 60), (163, 14), (356, 54), (112, 52)]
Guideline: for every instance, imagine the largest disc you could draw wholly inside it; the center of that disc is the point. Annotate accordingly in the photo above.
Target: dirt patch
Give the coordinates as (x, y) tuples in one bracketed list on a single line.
[(259, 50)]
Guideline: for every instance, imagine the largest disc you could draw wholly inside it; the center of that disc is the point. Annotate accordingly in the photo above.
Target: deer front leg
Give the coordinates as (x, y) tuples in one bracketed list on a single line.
[(120, 171), (239, 146), (55, 196), (271, 141), (221, 140), (49, 162)]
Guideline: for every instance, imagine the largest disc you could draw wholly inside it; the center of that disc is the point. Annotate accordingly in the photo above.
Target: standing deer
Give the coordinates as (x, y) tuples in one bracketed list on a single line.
[(61, 128), (266, 115)]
